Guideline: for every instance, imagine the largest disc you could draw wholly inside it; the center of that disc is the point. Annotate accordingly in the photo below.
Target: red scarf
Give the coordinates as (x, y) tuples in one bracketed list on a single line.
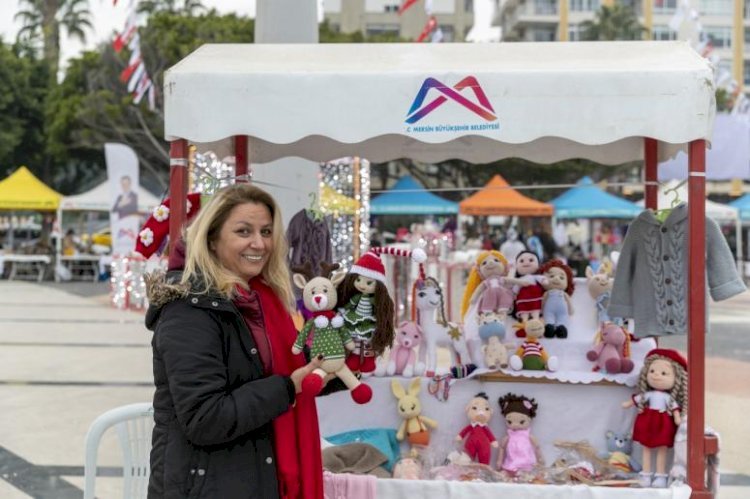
[(299, 463)]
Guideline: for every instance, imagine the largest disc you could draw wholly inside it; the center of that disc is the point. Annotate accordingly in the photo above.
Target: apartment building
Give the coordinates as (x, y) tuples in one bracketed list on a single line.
[(372, 17), (539, 20)]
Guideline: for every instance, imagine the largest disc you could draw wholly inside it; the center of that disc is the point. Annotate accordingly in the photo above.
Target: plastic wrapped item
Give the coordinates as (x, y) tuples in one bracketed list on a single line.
[(578, 462), (473, 472)]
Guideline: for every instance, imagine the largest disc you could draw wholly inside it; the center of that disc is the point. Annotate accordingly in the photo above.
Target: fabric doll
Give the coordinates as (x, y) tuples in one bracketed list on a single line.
[(662, 387), (531, 354), (479, 437), (519, 451), (368, 309), (557, 304), (527, 286), (329, 338), (487, 285)]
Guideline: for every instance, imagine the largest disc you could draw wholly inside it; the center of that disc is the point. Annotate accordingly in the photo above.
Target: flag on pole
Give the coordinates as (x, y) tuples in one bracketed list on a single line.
[(406, 5), (136, 77), (428, 28)]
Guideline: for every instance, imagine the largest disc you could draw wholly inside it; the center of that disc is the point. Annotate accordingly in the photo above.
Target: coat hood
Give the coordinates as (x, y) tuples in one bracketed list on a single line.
[(162, 288)]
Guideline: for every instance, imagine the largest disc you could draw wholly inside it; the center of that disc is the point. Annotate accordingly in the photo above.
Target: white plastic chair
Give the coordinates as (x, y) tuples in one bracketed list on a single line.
[(134, 423)]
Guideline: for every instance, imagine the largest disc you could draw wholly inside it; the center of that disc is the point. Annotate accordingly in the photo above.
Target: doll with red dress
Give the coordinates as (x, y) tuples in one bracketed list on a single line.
[(527, 286), (662, 387), (479, 440)]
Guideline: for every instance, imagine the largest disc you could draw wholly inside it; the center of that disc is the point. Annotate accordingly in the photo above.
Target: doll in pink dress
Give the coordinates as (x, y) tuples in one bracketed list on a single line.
[(519, 451), (662, 387)]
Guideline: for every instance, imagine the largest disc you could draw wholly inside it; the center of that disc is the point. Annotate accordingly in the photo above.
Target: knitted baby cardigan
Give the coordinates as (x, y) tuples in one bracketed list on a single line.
[(651, 279)]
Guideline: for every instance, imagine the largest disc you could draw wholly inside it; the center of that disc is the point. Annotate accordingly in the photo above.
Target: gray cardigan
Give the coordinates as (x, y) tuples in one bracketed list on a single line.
[(651, 277)]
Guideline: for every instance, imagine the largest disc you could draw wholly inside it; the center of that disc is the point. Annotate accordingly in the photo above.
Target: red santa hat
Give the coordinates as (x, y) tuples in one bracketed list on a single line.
[(670, 354), (370, 265), (156, 229)]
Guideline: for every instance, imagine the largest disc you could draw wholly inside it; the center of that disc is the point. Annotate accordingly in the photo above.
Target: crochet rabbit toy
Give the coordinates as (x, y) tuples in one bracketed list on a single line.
[(479, 438), (611, 350), (329, 337), (415, 427), (403, 355)]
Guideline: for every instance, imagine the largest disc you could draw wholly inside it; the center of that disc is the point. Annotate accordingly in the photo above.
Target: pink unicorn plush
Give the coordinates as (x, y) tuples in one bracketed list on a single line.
[(403, 356), (611, 350)]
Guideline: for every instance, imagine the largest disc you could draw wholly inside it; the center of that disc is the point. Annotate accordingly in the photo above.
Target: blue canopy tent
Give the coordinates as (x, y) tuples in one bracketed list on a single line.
[(743, 205), (407, 197), (586, 200)]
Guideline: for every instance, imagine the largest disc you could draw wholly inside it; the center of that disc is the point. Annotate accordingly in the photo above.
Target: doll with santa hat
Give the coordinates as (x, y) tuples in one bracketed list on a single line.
[(368, 309)]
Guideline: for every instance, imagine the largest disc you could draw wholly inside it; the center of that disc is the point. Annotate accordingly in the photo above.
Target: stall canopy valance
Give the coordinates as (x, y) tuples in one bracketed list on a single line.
[(21, 190), (408, 197), (587, 200), (743, 205), (498, 198), (100, 199), (480, 102)]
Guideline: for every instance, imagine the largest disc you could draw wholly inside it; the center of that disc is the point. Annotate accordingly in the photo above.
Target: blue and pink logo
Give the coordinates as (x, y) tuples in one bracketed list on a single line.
[(482, 108)]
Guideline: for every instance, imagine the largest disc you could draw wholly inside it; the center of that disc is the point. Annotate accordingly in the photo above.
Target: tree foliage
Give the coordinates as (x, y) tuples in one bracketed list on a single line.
[(618, 22)]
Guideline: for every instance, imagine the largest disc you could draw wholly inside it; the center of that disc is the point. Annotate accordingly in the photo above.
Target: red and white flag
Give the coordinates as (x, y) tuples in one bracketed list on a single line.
[(406, 5), (428, 28)]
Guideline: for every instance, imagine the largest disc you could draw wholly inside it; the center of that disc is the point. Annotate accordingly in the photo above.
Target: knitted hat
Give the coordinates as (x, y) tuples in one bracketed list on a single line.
[(670, 354), (156, 229), (370, 265)]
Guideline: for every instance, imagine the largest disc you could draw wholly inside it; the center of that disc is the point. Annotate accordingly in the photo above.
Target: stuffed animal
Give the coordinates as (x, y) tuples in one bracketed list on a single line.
[(619, 450), (531, 354), (495, 354), (661, 397), (330, 338), (477, 436), (408, 468), (415, 427), (492, 333), (527, 286), (519, 451), (367, 307), (403, 356), (600, 288), (557, 303), (611, 350), (486, 285)]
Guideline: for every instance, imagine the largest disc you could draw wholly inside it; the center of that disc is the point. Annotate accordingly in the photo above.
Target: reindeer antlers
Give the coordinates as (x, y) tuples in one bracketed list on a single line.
[(326, 269), (307, 269)]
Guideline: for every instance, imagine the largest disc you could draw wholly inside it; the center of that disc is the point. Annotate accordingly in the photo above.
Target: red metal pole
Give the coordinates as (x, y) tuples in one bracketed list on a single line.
[(650, 155), (696, 316), (240, 155), (178, 186)]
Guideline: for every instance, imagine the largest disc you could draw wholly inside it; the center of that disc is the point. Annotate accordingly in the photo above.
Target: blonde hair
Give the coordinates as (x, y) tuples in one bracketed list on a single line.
[(202, 265), (475, 277), (679, 390)]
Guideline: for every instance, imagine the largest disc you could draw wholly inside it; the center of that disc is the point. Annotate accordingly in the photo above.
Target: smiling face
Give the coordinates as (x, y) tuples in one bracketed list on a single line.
[(365, 285), (526, 264), (661, 375), (490, 266), (245, 241), (478, 410)]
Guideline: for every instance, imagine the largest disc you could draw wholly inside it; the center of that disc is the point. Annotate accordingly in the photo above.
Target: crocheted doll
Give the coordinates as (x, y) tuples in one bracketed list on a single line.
[(486, 285), (611, 350), (600, 288), (519, 451), (662, 387), (329, 336), (527, 286), (531, 354), (368, 309), (479, 437), (557, 305)]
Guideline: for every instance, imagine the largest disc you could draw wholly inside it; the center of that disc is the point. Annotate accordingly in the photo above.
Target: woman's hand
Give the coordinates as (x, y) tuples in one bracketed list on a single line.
[(299, 374)]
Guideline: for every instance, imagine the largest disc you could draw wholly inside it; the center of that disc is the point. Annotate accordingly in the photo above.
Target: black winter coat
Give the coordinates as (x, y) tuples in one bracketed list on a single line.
[(213, 406)]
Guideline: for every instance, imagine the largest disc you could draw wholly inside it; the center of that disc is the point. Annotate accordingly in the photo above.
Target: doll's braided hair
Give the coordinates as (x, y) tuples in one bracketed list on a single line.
[(511, 402), (679, 390)]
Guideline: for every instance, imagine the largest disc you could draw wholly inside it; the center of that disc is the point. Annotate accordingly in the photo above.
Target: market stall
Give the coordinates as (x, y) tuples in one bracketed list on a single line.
[(408, 197), (499, 198), (587, 200), (610, 102)]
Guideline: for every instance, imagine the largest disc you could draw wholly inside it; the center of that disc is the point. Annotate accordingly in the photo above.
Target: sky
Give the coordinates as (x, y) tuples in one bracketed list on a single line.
[(106, 19)]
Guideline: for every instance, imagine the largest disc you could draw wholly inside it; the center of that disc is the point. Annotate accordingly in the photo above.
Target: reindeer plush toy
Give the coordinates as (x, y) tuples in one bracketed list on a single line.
[(330, 338)]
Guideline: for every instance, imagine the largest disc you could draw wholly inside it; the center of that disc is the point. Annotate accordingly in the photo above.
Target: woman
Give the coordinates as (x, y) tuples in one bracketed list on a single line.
[(228, 422)]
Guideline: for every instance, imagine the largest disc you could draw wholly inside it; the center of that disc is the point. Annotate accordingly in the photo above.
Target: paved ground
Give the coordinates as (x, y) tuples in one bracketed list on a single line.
[(66, 357)]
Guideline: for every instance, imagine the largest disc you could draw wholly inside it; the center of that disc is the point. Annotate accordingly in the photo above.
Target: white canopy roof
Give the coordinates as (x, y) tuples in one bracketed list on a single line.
[(100, 199), (482, 102)]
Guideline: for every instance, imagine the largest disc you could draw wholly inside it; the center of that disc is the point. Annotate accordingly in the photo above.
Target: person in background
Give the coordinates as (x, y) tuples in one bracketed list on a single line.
[(69, 245), (126, 203), (228, 418)]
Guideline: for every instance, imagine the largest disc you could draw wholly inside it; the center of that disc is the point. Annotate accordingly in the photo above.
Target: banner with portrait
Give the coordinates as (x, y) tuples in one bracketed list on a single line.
[(125, 220)]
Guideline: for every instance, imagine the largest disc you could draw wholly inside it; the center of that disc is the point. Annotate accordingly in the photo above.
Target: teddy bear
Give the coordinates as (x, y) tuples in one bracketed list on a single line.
[(611, 350), (619, 450), (403, 356)]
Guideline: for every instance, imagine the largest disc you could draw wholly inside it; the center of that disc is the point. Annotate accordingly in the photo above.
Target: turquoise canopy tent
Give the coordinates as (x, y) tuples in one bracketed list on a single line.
[(587, 200), (408, 197), (743, 205)]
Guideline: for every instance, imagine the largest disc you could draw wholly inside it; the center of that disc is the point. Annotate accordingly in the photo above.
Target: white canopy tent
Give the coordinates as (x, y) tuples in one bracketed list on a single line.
[(100, 199), (545, 102)]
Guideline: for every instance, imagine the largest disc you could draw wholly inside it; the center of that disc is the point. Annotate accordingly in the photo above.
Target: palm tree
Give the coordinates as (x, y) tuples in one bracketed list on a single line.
[(41, 21), (188, 8), (617, 22)]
